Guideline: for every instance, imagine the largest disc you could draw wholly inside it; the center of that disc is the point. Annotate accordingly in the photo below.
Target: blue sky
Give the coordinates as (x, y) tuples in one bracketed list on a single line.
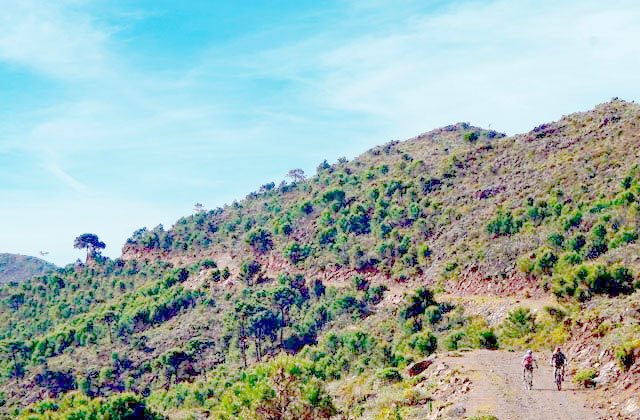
[(121, 114)]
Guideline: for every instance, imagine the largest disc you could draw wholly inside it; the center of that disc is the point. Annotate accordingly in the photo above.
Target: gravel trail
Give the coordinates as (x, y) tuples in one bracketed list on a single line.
[(497, 389)]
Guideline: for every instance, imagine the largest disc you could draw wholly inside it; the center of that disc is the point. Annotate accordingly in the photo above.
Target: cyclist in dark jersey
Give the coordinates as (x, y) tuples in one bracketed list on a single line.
[(558, 360)]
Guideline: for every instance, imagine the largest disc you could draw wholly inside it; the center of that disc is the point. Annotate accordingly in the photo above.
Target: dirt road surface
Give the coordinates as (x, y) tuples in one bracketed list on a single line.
[(497, 389)]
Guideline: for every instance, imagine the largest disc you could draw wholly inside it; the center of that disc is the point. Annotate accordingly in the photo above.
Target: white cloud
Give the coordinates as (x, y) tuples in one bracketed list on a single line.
[(52, 38), (510, 64)]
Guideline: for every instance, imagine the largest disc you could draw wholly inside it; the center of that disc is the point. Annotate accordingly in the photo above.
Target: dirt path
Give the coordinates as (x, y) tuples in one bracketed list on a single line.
[(497, 389)]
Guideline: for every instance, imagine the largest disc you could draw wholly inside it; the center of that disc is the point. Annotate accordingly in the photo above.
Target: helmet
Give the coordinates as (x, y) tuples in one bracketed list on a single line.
[(529, 351), (557, 349)]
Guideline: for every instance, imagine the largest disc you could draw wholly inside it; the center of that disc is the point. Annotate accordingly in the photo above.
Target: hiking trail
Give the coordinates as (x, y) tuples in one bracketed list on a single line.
[(497, 388)]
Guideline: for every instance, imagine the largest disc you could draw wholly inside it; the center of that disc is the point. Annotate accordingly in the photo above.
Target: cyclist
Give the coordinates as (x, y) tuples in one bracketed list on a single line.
[(558, 360), (527, 363)]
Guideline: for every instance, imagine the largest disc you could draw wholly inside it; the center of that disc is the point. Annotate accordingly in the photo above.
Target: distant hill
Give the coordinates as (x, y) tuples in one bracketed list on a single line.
[(15, 267)]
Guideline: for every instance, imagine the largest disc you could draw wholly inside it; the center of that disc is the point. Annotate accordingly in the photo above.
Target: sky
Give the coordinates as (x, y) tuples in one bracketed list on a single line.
[(116, 115)]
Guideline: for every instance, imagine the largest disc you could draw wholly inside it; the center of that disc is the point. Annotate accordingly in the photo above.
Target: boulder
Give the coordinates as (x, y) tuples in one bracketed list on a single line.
[(457, 411), (419, 367)]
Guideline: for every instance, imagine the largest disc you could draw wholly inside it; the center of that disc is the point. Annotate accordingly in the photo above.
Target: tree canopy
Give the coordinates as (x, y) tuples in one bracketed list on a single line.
[(90, 242)]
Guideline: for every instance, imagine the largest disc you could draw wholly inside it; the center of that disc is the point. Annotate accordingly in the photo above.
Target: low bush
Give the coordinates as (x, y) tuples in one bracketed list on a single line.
[(417, 303), (77, 406), (626, 354), (452, 340), (519, 323), (424, 343), (585, 377), (488, 340), (390, 375), (504, 224)]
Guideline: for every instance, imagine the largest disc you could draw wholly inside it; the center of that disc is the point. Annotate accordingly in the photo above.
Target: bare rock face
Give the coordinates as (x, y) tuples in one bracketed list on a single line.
[(607, 373), (631, 408)]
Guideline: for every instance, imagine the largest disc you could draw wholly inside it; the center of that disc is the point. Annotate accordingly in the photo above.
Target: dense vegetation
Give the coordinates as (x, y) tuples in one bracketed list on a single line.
[(302, 299)]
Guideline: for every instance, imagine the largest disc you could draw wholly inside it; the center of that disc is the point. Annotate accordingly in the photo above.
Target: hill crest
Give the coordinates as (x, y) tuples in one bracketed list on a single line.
[(17, 268)]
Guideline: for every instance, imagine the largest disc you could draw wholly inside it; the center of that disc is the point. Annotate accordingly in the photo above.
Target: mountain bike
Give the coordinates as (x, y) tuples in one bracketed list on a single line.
[(527, 378), (558, 377)]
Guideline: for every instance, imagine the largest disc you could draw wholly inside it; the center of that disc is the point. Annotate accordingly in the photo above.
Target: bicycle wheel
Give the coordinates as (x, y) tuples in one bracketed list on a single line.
[(528, 380), (558, 380)]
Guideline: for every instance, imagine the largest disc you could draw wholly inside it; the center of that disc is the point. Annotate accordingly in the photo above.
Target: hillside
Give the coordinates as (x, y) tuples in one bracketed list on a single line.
[(331, 296), (15, 267)]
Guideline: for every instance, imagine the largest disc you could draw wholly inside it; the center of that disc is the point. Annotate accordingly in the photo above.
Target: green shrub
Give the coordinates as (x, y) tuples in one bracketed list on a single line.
[(547, 261), (585, 377), (327, 236), (627, 236), (599, 231), (360, 283), (488, 340), (306, 207), (125, 406), (519, 323), (424, 343), (597, 248), (584, 281), (625, 354), (452, 340), (471, 136), (573, 221), (249, 269), (357, 221), (556, 239), (412, 325), (525, 264), (424, 252), (577, 242), (296, 253), (538, 213), (557, 314), (390, 374), (417, 303), (208, 264), (620, 281), (433, 314), (376, 293), (260, 240), (504, 224), (336, 195), (572, 258)]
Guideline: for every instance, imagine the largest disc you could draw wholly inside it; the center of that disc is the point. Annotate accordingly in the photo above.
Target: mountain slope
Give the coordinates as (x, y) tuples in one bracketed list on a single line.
[(341, 285), (420, 209), (15, 267)]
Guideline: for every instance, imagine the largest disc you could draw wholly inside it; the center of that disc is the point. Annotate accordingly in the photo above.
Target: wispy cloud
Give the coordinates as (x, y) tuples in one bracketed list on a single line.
[(501, 62), (54, 38), (67, 179)]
